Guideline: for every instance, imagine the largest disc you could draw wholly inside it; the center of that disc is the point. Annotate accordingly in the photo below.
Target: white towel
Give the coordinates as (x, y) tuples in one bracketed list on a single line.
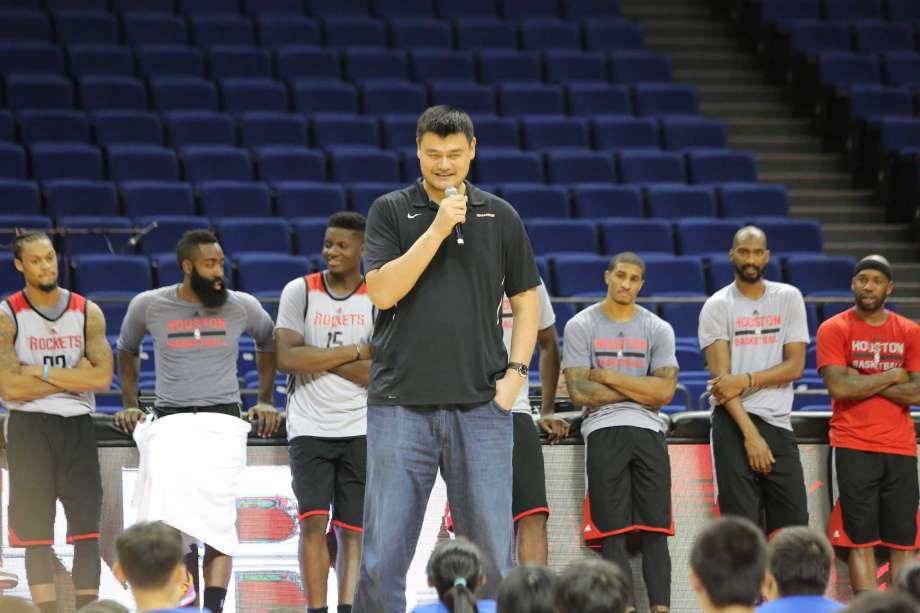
[(190, 468)]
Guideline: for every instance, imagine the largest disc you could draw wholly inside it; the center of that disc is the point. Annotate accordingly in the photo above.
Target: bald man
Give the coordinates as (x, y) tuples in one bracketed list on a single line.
[(754, 333), (870, 360)]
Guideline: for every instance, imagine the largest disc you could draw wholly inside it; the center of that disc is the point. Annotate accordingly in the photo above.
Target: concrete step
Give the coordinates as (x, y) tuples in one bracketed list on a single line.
[(768, 126), (718, 76), (849, 200), (850, 232), (907, 288), (908, 272), (779, 144), (800, 162), (894, 251), (808, 180), (692, 58), (687, 27), (759, 109), (828, 214), (751, 94)]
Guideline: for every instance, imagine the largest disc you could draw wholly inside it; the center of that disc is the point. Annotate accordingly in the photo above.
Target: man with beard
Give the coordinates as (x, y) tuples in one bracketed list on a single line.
[(196, 326), (53, 355), (620, 365), (870, 360), (754, 334)]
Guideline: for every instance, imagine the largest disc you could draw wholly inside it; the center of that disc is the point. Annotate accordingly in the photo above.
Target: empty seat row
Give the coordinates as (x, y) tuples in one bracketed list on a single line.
[(97, 27), (318, 96), (756, 15)]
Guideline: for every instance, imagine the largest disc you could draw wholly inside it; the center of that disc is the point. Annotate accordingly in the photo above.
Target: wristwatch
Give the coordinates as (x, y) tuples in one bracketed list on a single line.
[(519, 368)]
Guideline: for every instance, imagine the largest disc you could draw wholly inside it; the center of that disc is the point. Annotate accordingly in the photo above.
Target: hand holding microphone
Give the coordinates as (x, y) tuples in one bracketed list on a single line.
[(451, 214)]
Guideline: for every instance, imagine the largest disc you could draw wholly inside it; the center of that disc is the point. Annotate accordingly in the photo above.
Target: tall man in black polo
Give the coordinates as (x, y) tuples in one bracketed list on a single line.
[(442, 385)]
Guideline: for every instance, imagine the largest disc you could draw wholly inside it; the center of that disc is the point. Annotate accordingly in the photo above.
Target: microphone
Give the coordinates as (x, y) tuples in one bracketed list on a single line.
[(134, 240), (458, 230)]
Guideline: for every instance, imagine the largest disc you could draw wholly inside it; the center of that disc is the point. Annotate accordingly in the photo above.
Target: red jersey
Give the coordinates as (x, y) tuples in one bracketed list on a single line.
[(875, 423)]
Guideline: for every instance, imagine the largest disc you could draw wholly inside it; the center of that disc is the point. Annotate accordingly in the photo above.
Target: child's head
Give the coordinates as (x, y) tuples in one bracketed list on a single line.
[(455, 571), (527, 589)]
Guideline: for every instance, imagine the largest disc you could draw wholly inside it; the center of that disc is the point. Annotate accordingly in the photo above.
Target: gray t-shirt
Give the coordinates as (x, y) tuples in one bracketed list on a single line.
[(195, 348), (756, 331), (637, 348)]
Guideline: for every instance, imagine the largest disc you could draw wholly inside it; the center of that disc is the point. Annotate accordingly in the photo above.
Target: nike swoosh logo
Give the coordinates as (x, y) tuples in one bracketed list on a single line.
[(411, 216)]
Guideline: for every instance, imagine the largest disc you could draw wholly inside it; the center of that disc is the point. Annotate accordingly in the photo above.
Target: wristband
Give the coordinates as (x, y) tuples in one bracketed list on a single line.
[(45, 370), (358, 349)]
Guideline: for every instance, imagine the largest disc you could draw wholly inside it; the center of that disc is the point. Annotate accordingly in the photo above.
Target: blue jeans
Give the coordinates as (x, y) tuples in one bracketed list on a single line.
[(405, 447)]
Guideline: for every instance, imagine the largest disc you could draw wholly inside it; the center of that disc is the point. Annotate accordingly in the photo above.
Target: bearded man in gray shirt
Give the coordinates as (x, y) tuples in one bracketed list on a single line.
[(620, 364), (754, 334), (196, 327)]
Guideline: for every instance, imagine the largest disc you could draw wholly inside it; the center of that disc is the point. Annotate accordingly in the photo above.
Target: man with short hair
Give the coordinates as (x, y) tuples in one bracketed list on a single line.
[(728, 561), (754, 334), (325, 322), (150, 558), (870, 360), (442, 385), (196, 327), (799, 564), (620, 364), (53, 356)]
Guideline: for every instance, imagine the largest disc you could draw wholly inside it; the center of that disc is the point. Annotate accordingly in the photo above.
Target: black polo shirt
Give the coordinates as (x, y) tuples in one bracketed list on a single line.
[(442, 343)]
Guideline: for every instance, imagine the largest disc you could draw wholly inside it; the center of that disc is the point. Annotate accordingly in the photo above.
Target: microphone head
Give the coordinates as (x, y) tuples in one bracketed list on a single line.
[(451, 191)]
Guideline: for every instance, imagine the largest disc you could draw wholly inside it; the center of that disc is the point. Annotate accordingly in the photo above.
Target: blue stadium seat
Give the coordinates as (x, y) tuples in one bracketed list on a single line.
[(562, 235), (210, 30), (266, 274), (168, 272), (53, 126), (247, 95), (110, 275), (310, 234), (253, 234), (690, 359), (331, 130), (221, 199), (30, 57), (639, 235), (183, 94), (7, 127), (495, 132), (39, 91), (475, 33), (678, 133), (96, 242), (811, 37), (168, 232), (364, 193), (32, 222), (448, 9), (378, 98), (12, 161), (590, 9), (325, 96), (93, 60), (333, 8), (209, 7), (821, 274), (901, 69), (471, 97), (80, 197), (574, 66), (19, 197), (169, 61), (850, 10), (544, 132), (722, 271), (290, 163), (309, 199), (721, 166), (586, 99), (76, 5), (355, 32), (375, 64), (420, 33), (240, 62), (129, 162), (199, 128), (699, 236), (119, 127), (665, 99), (276, 30), (112, 93), (650, 167), (600, 200), (24, 25), (903, 10), (540, 34), (615, 132), (535, 200), (143, 28), (504, 66), (683, 317), (52, 161), (876, 37), (215, 163), (289, 9), (839, 70), (90, 27), (579, 166), (613, 35), (403, 8), (520, 9), (640, 67), (157, 198), (579, 274), (674, 201), (443, 65), (509, 167), (668, 275), (792, 235), (305, 62), (399, 130), (753, 200), (259, 129), (530, 99), (352, 165)]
